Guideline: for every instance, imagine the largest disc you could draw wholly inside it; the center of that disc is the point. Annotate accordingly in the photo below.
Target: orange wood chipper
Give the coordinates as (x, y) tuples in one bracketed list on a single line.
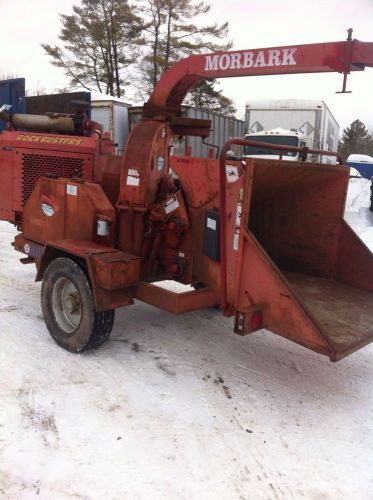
[(263, 239)]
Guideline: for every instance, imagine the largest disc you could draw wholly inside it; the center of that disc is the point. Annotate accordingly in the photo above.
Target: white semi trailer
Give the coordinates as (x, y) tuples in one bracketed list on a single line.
[(310, 119)]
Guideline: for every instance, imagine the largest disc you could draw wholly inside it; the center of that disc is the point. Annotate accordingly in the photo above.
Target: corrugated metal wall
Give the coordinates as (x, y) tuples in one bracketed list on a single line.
[(222, 128)]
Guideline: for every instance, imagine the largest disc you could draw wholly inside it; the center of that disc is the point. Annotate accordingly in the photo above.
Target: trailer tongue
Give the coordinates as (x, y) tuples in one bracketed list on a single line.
[(264, 239)]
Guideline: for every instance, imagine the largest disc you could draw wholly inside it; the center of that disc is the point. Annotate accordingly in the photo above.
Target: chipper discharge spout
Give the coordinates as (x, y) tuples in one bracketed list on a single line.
[(290, 261)]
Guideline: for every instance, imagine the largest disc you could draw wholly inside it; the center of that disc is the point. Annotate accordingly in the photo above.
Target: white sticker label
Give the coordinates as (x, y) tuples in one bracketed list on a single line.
[(211, 223), (171, 205), (160, 163), (133, 181), (71, 190), (232, 173), (236, 238), (133, 177), (238, 214), (47, 209)]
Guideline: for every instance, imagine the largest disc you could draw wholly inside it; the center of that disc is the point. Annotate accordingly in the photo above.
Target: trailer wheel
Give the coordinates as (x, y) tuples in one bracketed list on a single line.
[(68, 308), (198, 285)]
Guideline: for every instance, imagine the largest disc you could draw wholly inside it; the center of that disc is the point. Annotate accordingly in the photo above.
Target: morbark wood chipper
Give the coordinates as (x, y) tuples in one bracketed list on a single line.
[(264, 239)]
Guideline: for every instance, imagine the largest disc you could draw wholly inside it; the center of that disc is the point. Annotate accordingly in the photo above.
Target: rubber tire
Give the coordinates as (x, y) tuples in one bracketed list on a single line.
[(198, 285), (94, 327)]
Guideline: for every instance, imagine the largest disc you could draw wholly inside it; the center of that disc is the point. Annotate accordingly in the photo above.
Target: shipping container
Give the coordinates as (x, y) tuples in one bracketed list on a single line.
[(112, 113), (312, 118), (56, 103), (222, 128), (12, 92)]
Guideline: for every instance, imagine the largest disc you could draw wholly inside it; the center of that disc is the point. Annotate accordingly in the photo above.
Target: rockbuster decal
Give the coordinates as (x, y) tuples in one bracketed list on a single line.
[(251, 59), (46, 139)]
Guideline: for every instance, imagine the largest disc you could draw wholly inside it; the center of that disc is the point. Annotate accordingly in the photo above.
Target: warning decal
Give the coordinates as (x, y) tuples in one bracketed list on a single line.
[(133, 177), (171, 204), (232, 173)]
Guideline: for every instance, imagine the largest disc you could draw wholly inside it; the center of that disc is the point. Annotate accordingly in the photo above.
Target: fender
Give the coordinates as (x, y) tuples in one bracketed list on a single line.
[(113, 274)]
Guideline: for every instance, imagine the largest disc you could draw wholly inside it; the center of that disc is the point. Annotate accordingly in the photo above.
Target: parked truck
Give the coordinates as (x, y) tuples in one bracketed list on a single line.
[(263, 239), (277, 136), (311, 118)]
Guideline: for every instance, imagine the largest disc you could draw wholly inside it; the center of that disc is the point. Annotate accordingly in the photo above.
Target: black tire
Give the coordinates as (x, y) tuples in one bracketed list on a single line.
[(68, 308), (198, 285)]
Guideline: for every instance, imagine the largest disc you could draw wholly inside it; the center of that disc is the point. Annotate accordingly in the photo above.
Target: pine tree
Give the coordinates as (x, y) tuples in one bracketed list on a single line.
[(355, 139), (172, 36), (100, 40), (205, 96)]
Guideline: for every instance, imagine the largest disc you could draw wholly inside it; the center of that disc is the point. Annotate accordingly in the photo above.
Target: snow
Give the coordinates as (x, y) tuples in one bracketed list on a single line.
[(100, 96), (358, 158), (358, 214), (178, 407)]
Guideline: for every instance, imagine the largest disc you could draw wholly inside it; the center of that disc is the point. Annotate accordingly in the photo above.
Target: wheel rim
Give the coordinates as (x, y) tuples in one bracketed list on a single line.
[(66, 304)]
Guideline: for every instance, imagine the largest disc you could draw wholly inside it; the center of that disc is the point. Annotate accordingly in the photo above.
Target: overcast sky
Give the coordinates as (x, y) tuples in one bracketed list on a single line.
[(253, 24)]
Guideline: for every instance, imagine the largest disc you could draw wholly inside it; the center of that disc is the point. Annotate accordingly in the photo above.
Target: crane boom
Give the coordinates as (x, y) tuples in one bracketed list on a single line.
[(340, 57)]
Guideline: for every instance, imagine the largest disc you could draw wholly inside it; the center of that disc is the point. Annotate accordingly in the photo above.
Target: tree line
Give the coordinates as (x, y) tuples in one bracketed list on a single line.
[(115, 46), (122, 48)]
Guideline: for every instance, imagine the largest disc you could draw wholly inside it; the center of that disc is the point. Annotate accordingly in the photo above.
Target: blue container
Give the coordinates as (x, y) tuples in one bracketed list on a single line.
[(364, 169), (12, 92)]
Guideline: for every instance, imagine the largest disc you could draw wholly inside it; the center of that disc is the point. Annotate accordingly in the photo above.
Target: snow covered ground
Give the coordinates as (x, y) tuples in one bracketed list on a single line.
[(178, 407), (357, 209)]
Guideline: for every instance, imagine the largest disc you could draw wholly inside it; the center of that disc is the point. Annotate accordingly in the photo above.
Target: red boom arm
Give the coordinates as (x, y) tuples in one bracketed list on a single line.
[(340, 57)]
